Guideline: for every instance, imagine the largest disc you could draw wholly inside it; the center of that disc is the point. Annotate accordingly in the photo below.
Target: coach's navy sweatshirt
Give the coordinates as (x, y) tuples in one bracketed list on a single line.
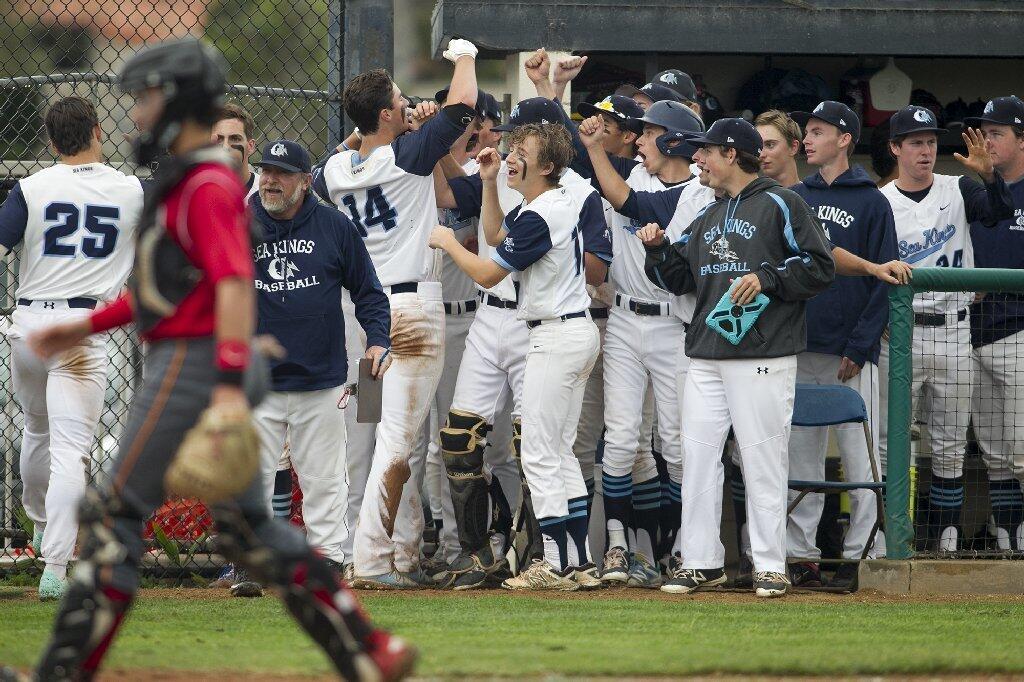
[(301, 267), (999, 315), (848, 318)]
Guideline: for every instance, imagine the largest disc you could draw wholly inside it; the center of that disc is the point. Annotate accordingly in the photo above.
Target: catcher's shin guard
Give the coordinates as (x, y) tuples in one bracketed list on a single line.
[(276, 554), (93, 606), (525, 521), (462, 448)]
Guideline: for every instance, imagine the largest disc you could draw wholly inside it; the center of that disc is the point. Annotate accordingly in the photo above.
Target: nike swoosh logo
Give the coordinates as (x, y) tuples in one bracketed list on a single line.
[(943, 208)]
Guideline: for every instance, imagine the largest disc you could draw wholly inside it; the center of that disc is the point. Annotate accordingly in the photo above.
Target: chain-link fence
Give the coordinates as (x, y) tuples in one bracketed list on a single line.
[(966, 416), (279, 63)]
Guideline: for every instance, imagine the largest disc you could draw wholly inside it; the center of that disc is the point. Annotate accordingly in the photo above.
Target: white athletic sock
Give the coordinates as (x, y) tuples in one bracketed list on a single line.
[(57, 570), (616, 535)]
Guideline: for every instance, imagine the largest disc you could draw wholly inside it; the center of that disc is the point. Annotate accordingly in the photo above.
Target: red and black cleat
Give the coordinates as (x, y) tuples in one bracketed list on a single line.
[(393, 658)]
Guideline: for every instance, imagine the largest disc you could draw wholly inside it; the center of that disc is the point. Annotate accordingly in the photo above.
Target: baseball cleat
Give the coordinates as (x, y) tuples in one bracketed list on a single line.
[(420, 578), (642, 573), (392, 580), (687, 580), (542, 576), (226, 578), (391, 658), (616, 566), (805, 574), (745, 574), (949, 539), (244, 587), (587, 577), (770, 584), (51, 588), (435, 567)]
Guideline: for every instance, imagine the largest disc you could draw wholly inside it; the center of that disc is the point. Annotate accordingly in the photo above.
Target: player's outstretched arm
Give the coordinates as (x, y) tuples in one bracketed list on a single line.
[(852, 265), (565, 71), (538, 70), (463, 89), (613, 187), (483, 271)]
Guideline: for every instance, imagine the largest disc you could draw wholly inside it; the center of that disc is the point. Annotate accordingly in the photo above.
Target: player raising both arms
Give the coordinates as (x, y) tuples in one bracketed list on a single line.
[(197, 315), (76, 224), (387, 189)]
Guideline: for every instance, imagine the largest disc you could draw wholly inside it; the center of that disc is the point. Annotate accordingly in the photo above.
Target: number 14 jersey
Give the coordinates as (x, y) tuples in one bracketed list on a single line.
[(77, 228)]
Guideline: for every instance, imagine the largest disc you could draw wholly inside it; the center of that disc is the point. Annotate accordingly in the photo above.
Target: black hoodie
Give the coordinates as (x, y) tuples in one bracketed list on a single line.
[(767, 230)]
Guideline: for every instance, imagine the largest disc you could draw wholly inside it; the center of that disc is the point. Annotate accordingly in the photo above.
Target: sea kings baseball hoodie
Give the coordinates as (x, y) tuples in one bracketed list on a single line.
[(766, 230), (848, 318)]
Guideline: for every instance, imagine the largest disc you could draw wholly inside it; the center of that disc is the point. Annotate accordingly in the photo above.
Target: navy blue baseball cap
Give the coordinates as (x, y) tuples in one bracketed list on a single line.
[(533, 110), (913, 119), (623, 109), (679, 81), (286, 155), (731, 132), (834, 113), (486, 105), (1006, 111)]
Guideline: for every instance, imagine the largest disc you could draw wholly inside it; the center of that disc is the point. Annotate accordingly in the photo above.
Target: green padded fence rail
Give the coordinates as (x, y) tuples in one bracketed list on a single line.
[(899, 530)]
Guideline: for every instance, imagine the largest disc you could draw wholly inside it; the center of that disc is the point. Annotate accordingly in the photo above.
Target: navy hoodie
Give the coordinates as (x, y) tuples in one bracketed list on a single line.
[(301, 267), (999, 314), (848, 318)]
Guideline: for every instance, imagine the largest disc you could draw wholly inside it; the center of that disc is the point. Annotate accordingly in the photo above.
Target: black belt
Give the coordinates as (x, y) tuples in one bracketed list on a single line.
[(498, 302), (78, 302), (937, 319), (599, 313), (459, 307), (638, 307), (569, 316), (404, 287)]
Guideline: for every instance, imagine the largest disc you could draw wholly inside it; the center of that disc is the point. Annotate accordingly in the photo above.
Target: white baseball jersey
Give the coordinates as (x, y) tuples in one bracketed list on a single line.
[(77, 228), (934, 233), (390, 197), (456, 285), (544, 242)]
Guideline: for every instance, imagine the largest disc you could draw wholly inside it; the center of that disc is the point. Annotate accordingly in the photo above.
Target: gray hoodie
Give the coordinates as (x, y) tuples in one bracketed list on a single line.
[(768, 230)]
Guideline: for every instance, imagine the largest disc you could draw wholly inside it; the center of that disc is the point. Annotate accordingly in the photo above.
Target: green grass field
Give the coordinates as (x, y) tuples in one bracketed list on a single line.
[(614, 634)]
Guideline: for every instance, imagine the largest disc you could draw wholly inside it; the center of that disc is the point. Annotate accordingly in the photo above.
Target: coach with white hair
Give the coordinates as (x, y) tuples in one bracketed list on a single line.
[(308, 253)]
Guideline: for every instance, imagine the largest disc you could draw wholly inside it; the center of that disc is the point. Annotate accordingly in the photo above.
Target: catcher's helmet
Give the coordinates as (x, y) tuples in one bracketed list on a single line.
[(191, 76), (679, 122)]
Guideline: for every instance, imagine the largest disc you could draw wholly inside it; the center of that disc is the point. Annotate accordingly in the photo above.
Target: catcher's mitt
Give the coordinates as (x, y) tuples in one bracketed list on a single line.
[(218, 458)]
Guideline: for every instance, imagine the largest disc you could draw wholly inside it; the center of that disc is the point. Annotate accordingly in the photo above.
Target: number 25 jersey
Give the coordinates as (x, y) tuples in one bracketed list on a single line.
[(77, 228), (390, 197)]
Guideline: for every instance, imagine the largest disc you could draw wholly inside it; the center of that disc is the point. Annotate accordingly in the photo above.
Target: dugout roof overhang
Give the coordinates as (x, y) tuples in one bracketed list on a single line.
[(942, 28)]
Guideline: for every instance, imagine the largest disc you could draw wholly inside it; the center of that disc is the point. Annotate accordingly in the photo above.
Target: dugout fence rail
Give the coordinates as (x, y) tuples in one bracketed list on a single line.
[(910, 450)]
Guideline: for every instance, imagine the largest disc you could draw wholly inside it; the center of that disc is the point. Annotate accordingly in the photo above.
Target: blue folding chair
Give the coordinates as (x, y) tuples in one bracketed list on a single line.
[(827, 406)]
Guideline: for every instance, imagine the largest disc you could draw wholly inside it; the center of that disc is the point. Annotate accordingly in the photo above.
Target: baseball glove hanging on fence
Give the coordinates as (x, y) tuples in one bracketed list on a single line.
[(218, 458)]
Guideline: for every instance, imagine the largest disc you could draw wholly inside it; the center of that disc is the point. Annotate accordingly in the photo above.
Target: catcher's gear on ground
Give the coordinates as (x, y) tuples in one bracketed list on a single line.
[(218, 458), (462, 448), (530, 546)]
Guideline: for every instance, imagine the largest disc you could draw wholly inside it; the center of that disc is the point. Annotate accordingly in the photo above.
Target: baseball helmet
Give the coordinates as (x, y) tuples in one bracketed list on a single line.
[(679, 122), (191, 76)]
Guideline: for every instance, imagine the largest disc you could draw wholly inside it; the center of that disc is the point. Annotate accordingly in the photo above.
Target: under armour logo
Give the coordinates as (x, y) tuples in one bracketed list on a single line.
[(990, 107), (49, 304), (669, 78), (922, 116), (279, 150), (762, 370)]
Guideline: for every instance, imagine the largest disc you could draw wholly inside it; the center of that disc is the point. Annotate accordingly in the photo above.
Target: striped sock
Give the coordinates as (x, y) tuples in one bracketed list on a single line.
[(1007, 503), (670, 517), (556, 551), (945, 501), (646, 513), (282, 498), (577, 525), (617, 493)]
